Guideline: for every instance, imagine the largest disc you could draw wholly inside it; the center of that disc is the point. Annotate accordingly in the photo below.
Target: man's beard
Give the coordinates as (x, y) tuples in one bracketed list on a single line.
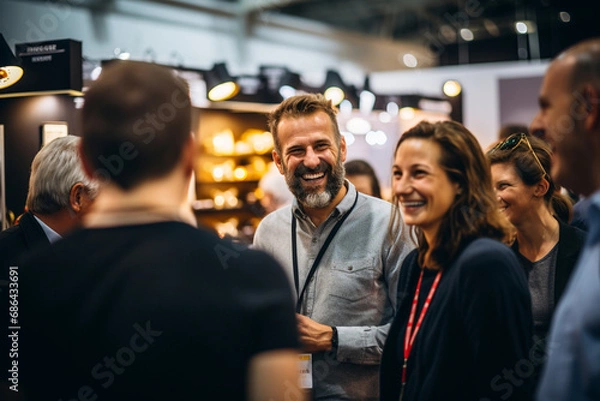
[(314, 198)]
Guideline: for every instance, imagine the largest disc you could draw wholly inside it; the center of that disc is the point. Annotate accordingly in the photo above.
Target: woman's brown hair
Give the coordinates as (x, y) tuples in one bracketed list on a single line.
[(474, 212)]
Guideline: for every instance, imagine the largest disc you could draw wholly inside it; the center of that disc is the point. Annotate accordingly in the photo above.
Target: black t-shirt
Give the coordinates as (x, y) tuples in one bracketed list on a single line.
[(160, 311)]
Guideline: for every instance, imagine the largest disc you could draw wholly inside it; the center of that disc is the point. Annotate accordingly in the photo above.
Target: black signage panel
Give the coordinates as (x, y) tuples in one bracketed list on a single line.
[(54, 65)]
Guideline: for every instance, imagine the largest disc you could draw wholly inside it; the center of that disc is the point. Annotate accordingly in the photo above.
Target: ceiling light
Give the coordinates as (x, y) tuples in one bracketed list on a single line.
[(392, 109), (452, 88), (219, 84), (334, 87), (564, 16), (409, 60), (467, 34), (10, 69), (521, 27), (366, 98), (346, 107), (358, 126)]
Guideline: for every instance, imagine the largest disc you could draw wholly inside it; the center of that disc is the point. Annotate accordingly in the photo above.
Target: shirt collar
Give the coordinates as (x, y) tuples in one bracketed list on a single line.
[(341, 208), (52, 235)]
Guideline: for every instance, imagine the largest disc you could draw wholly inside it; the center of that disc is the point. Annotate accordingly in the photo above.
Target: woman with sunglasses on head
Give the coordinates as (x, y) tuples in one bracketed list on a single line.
[(463, 320), (546, 246)]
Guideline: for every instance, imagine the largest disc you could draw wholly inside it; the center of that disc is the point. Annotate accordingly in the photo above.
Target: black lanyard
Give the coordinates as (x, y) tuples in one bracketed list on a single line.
[(313, 269)]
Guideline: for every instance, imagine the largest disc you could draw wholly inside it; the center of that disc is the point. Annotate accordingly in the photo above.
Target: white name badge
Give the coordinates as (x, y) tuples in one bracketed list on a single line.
[(305, 366)]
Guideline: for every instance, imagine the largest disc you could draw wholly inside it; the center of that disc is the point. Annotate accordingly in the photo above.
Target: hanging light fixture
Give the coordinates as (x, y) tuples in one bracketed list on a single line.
[(334, 87), (367, 98), (219, 84), (10, 69)]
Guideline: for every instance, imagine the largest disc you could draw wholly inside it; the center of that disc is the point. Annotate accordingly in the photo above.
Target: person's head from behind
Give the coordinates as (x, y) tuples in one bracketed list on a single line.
[(58, 184), (569, 116), (442, 184), (136, 124), (309, 149), (519, 168), (363, 177)]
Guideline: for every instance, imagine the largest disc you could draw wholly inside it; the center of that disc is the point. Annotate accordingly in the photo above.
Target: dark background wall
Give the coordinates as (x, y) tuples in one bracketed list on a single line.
[(22, 118)]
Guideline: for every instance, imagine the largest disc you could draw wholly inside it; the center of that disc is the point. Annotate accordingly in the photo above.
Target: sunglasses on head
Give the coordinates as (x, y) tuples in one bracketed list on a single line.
[(515, 140)]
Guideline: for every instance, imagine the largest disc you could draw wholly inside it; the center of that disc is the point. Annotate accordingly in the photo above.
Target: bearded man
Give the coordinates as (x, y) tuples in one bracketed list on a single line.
[(336, 248)]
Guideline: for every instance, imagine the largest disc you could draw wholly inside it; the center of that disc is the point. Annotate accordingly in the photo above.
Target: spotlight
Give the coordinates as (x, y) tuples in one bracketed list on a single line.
[(10, 69), (289, 84), (452, 88), (367, 98), (219, 84), (334, 87)]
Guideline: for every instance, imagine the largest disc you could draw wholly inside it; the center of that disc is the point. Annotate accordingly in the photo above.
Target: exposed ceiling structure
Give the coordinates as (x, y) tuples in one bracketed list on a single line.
[(457, 31)]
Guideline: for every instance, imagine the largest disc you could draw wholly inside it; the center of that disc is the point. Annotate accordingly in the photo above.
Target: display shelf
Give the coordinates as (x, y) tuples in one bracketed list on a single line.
[(234, 152)]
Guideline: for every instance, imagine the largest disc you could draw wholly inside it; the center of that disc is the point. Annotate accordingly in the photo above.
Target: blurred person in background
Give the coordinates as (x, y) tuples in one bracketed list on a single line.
[(464, 311), (276, 193), (363, 177), (59, 196), (546, 246)]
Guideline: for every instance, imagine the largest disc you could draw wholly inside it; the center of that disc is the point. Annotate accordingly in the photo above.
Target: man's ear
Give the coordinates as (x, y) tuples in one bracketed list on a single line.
[(189, 154), (278, 161), (591, 98), (343, 148), (76, 197)]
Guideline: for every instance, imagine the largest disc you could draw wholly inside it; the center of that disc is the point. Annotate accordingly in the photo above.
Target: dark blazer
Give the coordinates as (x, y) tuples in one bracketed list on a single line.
[(15, 243), (570, 242), (23, 237)]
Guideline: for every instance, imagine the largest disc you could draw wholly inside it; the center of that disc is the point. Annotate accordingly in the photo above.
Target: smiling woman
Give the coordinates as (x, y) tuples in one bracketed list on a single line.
[(547, 247), (463, 306)]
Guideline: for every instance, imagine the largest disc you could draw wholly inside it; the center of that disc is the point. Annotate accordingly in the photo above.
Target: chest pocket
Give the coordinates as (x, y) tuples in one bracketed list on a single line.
[(353, 279)]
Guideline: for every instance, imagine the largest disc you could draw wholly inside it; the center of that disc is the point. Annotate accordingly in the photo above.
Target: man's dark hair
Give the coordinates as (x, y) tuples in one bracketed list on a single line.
[(136, 121)]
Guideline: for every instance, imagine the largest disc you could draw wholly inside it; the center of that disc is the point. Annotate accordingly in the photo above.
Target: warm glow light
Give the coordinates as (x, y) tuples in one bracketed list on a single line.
[(219, 201), (223, 91), (9, 75), (335, 94), (407, 113), (240, 173), (223, 143), (452, 88), (218, 174)]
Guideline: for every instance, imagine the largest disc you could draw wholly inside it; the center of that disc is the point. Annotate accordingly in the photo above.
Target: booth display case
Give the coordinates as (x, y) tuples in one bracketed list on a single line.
[(234, 153)]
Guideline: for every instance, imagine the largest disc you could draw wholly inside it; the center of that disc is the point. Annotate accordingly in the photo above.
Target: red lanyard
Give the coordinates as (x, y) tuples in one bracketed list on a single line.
[(408, 338)]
